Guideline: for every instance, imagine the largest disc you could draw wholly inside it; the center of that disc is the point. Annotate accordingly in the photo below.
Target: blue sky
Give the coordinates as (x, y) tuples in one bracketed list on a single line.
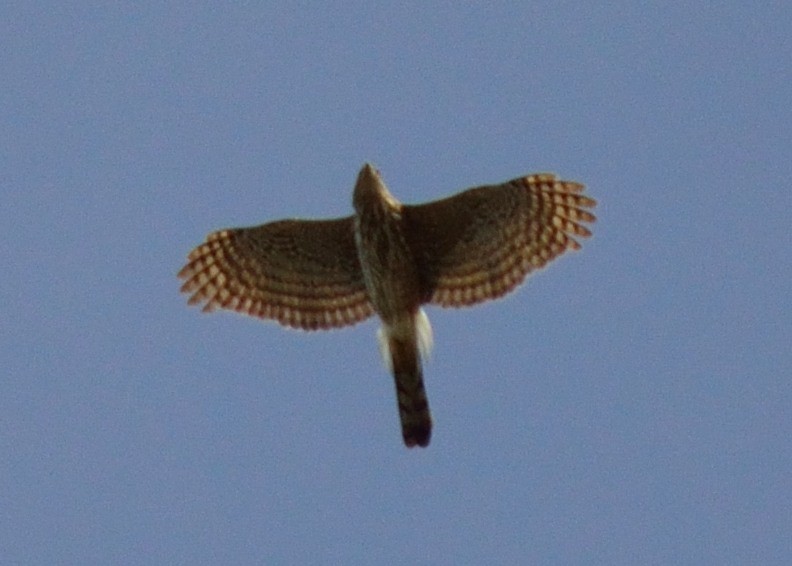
[(630, 404)]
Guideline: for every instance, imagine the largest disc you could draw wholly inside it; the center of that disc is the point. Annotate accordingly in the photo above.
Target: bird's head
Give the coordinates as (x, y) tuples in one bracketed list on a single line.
[(370, 191)]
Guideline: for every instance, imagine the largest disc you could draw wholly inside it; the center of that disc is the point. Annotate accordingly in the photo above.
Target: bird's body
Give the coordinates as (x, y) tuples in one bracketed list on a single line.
[(394, 289), (389, 259)]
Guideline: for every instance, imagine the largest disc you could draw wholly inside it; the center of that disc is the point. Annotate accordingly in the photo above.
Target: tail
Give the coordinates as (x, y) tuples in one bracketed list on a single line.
[(404, 349), (410, 393)]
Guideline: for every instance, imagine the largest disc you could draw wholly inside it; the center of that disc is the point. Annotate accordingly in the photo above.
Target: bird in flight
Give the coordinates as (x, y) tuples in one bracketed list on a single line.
[(389, 259)]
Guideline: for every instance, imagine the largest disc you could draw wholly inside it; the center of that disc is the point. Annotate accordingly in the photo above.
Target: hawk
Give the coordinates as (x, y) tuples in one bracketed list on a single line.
[(389, 259)]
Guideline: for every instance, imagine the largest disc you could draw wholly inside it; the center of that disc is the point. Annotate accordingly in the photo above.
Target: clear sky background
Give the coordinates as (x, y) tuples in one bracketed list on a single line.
[(631, 404)]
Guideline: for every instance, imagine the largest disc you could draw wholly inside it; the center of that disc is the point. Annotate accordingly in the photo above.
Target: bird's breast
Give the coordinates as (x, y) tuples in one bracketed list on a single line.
[(387, 264)]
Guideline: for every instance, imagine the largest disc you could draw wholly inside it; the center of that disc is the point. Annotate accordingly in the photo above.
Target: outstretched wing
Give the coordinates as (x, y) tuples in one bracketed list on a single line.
[(481, 243), (302, 273)]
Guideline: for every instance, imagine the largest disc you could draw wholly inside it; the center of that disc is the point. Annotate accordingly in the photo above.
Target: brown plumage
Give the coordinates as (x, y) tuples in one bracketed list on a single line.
[(389, 259)]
